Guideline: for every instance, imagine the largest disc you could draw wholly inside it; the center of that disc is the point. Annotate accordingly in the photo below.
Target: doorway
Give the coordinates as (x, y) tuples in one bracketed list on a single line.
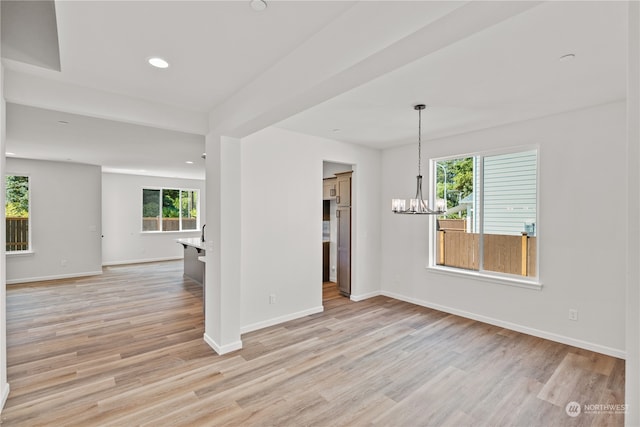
[(337, 204)]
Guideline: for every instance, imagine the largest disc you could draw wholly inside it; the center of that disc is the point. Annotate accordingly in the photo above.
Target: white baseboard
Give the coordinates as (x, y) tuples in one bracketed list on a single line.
[(222, 349), (53, 277), (362, 297), (140, 261), (514, 326), (5, 396), (281, 319)]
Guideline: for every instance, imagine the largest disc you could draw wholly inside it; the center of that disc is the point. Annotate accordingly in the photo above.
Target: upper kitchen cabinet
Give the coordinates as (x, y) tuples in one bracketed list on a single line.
[(343, 184), (329, 188)]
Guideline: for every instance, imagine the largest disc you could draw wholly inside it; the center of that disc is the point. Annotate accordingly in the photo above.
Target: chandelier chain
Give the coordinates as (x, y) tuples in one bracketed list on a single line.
[(420, 142), (417, 205)]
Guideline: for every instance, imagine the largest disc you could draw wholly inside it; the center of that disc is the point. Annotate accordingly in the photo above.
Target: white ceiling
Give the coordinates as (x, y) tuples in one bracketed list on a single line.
[(507, 73), (119, 147), (214, 47), (475, 64)]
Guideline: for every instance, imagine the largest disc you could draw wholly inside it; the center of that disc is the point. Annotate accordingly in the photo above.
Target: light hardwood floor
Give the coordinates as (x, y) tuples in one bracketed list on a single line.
[(126, 349)]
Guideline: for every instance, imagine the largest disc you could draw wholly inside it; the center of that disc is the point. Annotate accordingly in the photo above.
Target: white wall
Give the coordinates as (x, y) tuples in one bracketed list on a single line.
[(282, 223), (123, 240), (65, 221), (4, 386), (582, 234), (632, 365)]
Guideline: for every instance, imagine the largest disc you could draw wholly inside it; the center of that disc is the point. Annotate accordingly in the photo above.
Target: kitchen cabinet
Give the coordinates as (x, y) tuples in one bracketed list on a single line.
[(343, 216), (343, 187), (339, 188), (329, 188)]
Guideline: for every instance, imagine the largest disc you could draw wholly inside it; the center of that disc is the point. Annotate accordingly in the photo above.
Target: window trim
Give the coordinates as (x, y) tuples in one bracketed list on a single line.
[(20, 253), (161, 189), (480, 274), (30, 250), (494, 277)]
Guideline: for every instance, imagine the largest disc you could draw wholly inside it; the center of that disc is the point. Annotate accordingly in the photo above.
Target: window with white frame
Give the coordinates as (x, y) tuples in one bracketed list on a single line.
[(169, 209), (17, 209), (491, 220)]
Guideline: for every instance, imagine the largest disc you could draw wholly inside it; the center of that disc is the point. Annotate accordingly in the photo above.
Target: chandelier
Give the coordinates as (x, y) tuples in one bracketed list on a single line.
[(417, 205)]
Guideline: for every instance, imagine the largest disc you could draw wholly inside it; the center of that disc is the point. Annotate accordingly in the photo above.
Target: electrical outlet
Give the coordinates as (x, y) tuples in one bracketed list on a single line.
[(272, 299), (573, 314)]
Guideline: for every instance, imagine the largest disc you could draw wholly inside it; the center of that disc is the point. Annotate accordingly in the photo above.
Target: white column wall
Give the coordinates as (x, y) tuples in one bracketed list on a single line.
[(223, 236)]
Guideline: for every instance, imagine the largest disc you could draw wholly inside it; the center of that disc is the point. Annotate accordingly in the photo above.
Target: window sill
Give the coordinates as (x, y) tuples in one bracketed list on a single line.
[(170, 232), (487, 277), (20, 253)]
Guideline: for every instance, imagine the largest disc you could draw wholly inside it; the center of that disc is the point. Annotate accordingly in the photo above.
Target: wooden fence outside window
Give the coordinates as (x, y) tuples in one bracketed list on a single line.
[(168, 224), (17, 234), (502, 253)]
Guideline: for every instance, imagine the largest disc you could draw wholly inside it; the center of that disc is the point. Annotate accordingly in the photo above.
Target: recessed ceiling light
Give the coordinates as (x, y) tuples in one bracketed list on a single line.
[(189, 162), (567, 57), (258, 5), (63, 122), (158, 62), (8, 153)]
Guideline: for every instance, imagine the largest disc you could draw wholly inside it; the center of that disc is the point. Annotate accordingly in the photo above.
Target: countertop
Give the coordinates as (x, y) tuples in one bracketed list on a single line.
[(192, 241)]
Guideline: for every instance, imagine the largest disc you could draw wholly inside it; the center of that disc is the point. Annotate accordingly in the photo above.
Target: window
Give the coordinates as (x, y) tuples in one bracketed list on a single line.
[(17, 208), (169, 209), (491, 219)]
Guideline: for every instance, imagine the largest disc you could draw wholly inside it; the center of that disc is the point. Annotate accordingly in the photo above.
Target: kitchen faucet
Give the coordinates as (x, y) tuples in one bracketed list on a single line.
[(202, 235)]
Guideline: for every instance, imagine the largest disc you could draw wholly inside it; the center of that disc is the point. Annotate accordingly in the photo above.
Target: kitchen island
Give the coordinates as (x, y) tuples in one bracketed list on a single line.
[(194, 248)]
